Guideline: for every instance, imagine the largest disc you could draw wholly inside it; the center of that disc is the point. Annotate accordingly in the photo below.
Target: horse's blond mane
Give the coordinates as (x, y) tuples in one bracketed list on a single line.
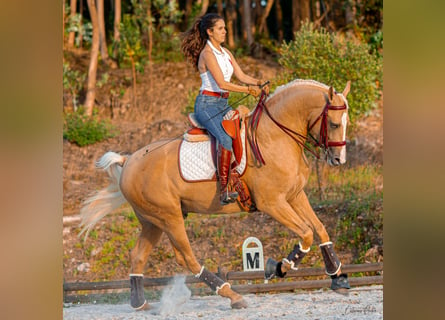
[(300, 82)]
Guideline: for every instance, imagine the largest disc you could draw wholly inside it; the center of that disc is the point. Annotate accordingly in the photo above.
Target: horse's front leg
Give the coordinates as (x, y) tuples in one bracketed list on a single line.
[(303, 208), (284, 213)]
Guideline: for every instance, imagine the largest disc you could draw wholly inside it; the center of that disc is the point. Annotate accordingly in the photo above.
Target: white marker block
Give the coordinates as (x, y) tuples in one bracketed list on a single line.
[(253, 259)]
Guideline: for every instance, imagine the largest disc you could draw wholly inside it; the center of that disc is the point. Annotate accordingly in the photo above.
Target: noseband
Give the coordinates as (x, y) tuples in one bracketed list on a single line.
[(323, 141)]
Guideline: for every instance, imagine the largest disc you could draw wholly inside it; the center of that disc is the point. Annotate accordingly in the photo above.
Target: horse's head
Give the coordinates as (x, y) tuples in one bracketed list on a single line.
[(332, 129)]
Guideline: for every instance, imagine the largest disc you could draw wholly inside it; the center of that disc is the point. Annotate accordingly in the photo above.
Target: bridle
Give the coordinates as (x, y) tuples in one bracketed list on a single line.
[(312, 145)]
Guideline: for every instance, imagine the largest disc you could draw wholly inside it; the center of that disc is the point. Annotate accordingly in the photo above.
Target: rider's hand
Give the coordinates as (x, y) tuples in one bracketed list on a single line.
[(254, 91), (266, 87)]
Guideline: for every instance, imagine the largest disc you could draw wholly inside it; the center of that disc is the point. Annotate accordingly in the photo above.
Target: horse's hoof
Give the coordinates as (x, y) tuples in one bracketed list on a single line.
[(342, 291), (145, 306), (240, 304), (340, 284)]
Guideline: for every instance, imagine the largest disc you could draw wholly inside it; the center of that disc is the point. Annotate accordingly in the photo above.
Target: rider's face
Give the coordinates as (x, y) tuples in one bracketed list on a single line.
[(218, 32)]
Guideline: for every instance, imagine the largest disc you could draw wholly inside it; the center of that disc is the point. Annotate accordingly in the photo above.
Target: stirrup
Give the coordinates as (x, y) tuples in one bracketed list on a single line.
[(228, 197)]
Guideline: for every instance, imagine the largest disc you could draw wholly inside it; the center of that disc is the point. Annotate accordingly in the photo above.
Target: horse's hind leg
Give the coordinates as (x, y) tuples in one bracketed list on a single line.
[(180, 242), (148, 238)]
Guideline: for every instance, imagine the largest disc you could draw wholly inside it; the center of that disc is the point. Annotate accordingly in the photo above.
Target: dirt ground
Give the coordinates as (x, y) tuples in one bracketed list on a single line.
[(156, 113)]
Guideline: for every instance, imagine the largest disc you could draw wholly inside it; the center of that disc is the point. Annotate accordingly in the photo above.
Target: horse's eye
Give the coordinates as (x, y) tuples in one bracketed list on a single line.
[(334, 125)]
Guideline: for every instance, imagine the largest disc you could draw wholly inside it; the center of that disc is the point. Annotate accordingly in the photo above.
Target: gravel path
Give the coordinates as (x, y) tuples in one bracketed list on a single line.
[(361, 303)]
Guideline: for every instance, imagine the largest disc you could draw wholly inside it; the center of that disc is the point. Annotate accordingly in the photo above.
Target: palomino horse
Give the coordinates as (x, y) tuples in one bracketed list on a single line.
[(277, 170)]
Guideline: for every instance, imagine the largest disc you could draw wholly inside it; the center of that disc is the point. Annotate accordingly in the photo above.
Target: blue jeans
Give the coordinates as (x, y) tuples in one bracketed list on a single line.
[(209, 111)]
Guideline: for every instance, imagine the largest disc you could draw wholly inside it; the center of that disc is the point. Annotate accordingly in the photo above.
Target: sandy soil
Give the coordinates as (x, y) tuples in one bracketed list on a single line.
[(364, 303)]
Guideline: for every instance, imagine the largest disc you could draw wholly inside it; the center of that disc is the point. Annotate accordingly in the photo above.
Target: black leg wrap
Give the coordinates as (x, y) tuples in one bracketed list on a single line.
[(278, 271), (331, 261), (340, 282), (137, 298), (273, 269), (296, 255), (210, 279)]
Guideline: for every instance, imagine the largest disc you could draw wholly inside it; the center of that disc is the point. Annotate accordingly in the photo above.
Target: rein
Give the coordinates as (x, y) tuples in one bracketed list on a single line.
[(299, 138)]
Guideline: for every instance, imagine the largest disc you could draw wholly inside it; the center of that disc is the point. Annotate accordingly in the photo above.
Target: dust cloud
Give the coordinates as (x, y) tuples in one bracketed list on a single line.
[(174, 297)]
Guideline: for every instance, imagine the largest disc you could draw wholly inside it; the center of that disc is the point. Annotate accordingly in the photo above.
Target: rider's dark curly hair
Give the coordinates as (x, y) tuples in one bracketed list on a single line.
[(194, 40)]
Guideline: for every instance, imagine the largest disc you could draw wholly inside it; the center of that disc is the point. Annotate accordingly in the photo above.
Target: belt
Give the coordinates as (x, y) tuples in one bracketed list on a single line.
[(224, 95)]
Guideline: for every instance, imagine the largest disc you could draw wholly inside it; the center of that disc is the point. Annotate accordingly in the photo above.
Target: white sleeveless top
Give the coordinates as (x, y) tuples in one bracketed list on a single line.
[(223, 59)]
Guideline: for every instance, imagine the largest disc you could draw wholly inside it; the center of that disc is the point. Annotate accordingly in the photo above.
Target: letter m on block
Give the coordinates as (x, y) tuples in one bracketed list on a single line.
[(253, 263)]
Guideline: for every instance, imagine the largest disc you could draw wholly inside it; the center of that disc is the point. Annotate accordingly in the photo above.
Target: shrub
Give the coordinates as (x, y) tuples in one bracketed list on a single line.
[(333, 60), (72, 82), (84, 130)]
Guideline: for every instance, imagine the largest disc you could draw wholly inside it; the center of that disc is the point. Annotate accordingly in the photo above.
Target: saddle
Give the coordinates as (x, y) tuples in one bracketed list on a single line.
[(232, 124)]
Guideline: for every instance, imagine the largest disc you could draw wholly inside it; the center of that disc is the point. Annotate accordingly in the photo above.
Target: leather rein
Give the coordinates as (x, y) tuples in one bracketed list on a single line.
[(302, 140)]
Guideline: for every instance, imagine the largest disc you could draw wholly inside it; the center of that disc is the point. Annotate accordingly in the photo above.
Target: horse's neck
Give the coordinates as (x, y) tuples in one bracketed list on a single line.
[(294, 111)]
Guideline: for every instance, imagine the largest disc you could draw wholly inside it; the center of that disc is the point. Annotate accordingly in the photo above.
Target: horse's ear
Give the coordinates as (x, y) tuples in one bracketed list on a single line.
[(347, 88), (331, 93)]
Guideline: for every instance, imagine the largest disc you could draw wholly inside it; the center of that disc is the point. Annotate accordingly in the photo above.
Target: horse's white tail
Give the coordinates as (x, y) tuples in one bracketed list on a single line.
[(106, 200)]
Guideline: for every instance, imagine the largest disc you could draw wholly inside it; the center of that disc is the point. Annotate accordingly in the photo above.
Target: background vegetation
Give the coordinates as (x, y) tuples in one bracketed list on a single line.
[(329, 41)]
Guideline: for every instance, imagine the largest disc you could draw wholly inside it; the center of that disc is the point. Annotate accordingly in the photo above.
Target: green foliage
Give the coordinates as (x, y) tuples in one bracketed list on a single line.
[(103, 80), (361, 224), (333, 60), (84, 130), (164, 16), (129, 48), (82, 30), (376, 42), (168, 12), (167, 45), (357, 196), (73, 82)]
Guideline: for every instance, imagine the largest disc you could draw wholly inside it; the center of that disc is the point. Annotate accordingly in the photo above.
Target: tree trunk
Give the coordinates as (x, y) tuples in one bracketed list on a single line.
[(265, 15), (279, 13), (219, 7), (102, 35), (231, 22), (305, 10), (247, 23), (117, 22), (92, 70), (188, 11), (350, 10), (205, 6), (81, 18), (296, 21), (72, 35), (150, 32)]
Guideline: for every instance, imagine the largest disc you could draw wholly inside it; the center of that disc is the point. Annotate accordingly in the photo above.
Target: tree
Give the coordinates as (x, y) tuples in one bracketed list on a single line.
[(102, 35), (305, 10), (231, 18), (204, 7), (72, 36), (264, 16), (117, 22), (247, 22), (219, 5), (279, 14), (92, 70)]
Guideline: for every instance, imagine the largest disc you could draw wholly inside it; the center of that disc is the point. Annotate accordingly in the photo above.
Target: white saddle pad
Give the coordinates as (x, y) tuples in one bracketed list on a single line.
[(196, 163)]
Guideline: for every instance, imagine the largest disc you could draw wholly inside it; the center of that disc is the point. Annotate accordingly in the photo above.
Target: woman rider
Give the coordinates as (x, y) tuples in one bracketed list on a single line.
[(202, 47)]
